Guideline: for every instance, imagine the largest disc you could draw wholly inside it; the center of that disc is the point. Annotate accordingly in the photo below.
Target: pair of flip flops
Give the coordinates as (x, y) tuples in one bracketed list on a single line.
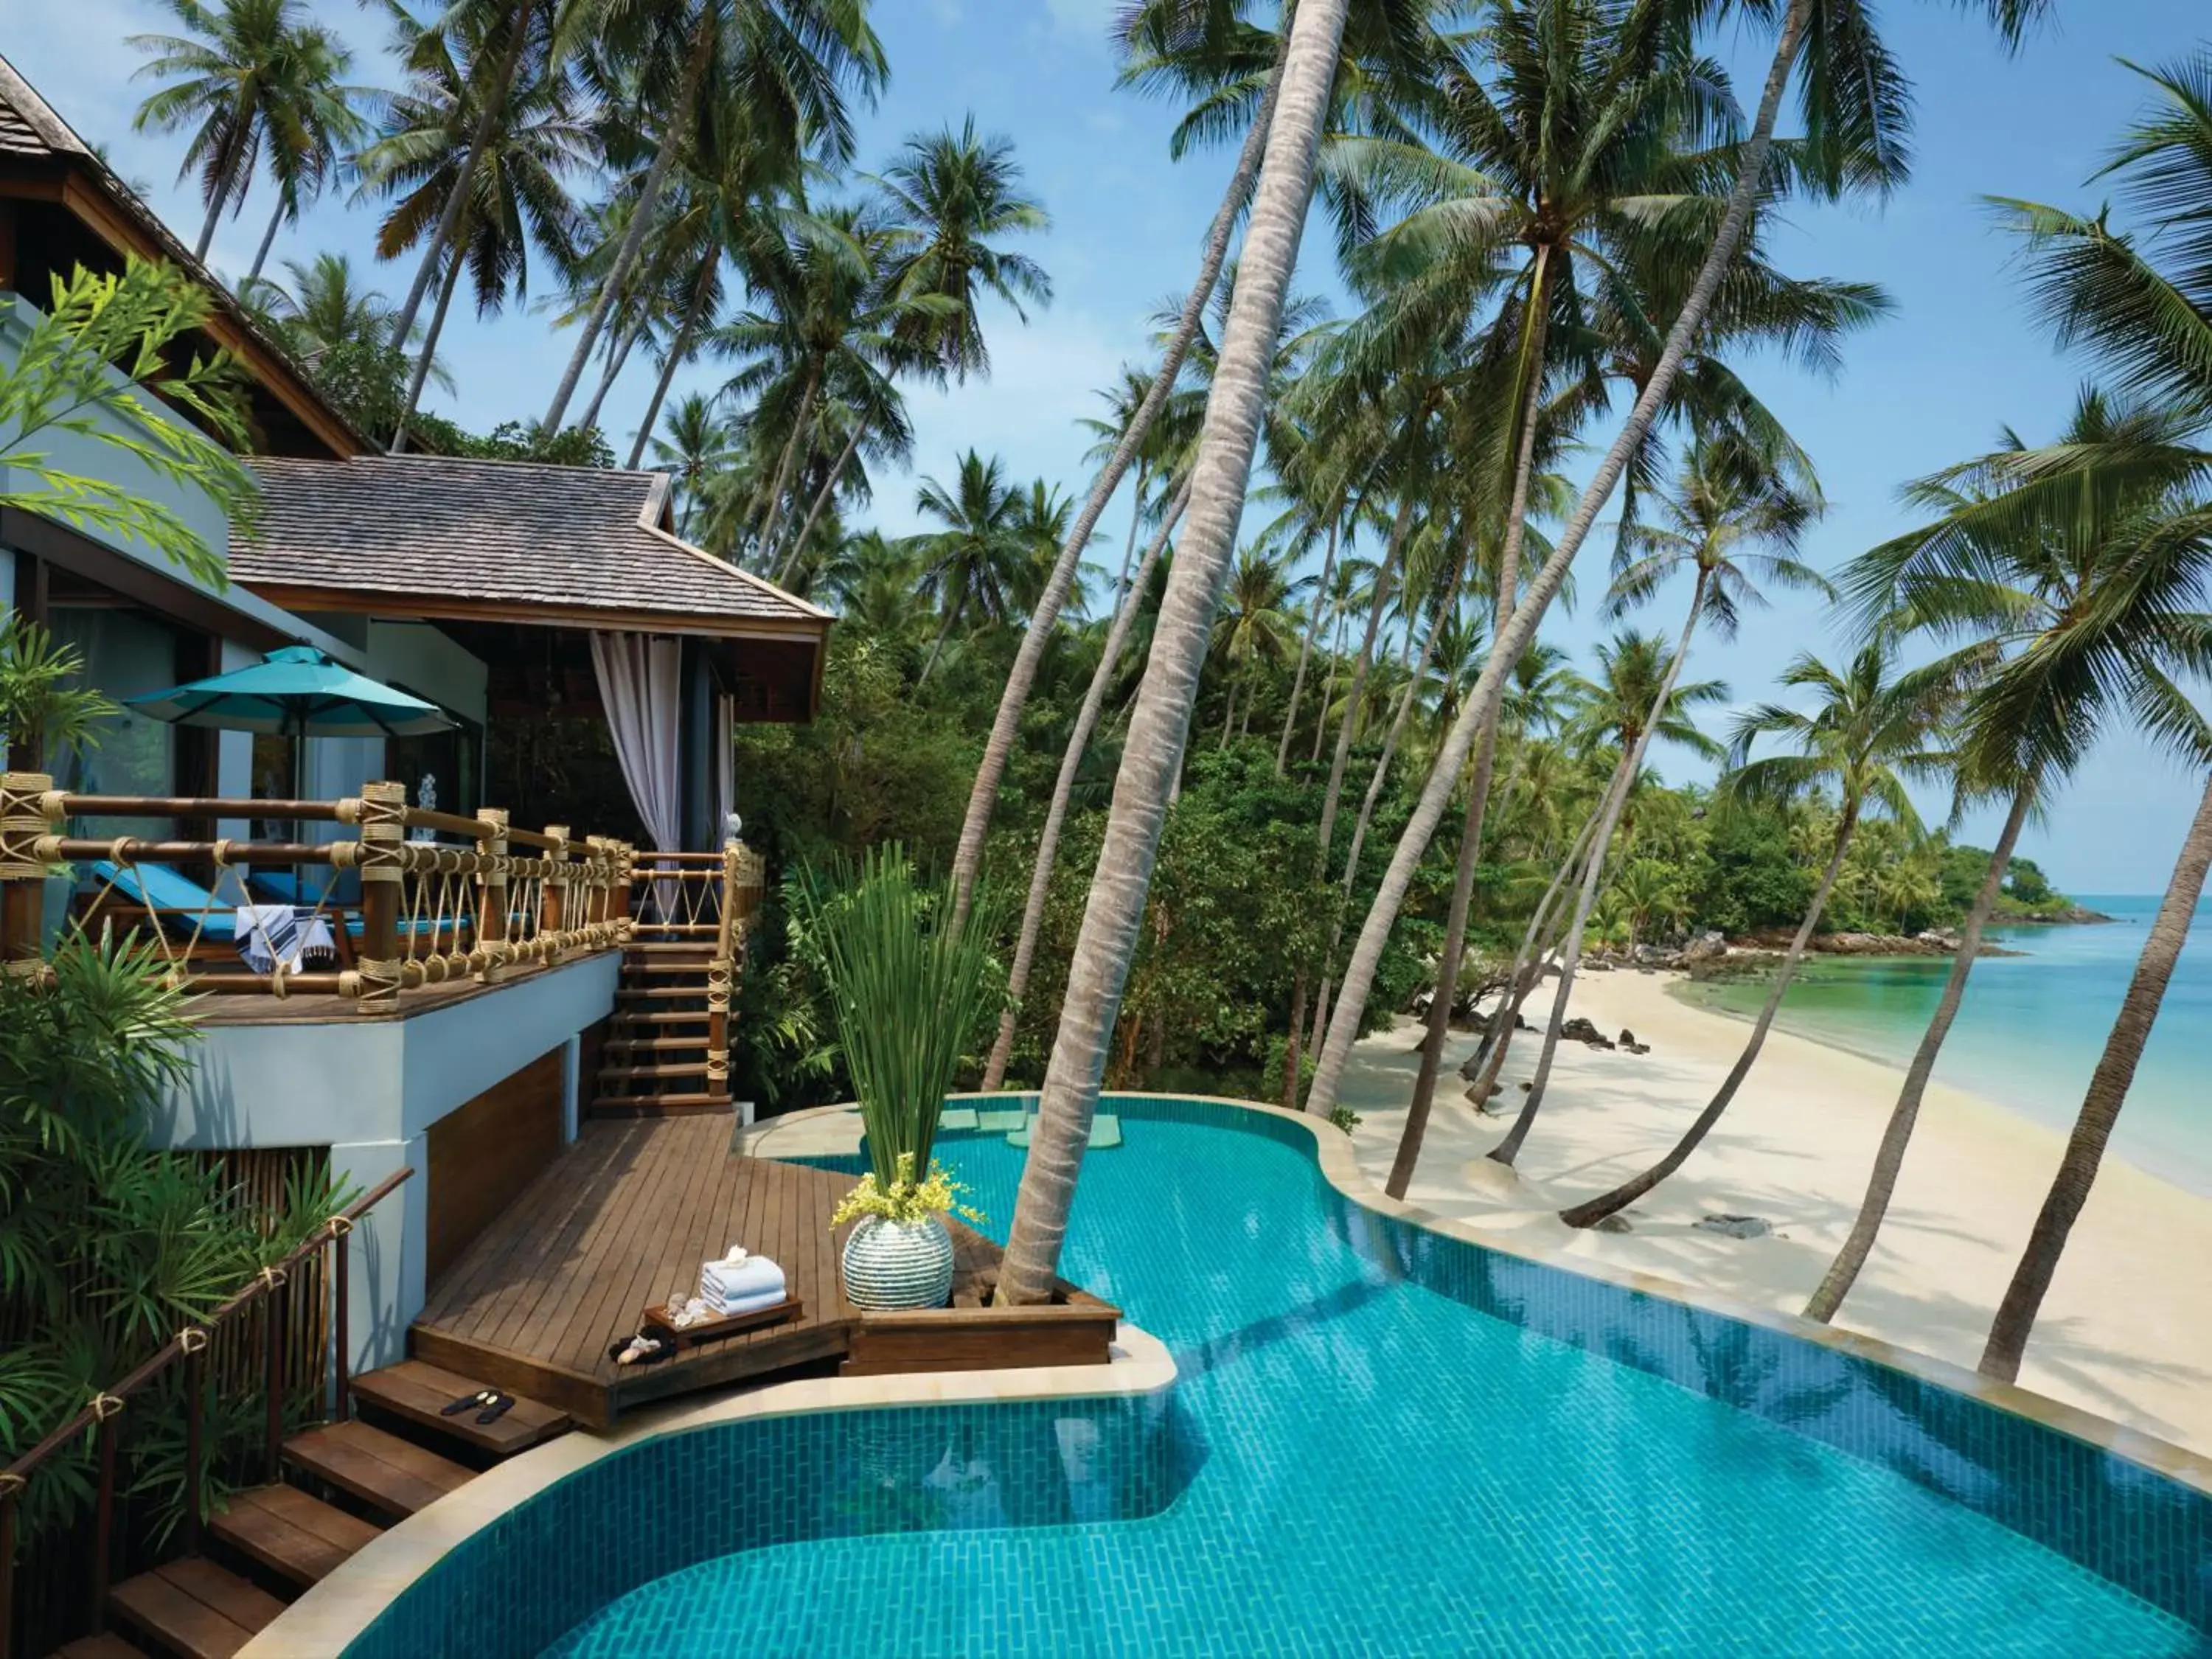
[(490, 1404)]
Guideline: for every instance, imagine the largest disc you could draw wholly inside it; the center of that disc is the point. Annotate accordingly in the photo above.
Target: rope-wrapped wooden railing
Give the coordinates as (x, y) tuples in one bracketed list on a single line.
[(189, 1346), (430, 912), (742, 876)]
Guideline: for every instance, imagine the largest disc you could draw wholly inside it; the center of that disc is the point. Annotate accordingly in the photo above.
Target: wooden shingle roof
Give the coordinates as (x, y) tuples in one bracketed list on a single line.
[(434, 536)]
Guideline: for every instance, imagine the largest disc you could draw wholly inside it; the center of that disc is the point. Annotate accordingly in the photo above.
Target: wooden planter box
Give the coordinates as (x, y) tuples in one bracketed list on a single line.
[(1076, 1329)]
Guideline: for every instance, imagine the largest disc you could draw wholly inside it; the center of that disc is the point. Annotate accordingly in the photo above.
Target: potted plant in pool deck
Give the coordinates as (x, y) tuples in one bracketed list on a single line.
[(913, 983)]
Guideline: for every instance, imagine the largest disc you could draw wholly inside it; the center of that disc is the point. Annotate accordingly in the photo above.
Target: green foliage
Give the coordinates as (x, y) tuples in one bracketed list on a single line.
[(911, 988), (78, 374), (1748, 877), (107, 1246), (40, 704), (1344, 1118)]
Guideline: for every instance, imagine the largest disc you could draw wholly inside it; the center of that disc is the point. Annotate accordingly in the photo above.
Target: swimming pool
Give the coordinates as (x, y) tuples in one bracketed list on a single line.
[(1382, 1440)]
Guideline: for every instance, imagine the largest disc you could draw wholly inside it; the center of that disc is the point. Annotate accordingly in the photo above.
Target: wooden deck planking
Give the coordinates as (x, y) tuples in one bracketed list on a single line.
[(620, 1220), (626, 1216)]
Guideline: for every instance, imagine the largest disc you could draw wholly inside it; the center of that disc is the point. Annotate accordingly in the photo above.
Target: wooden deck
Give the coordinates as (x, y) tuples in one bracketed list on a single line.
[(623, 1218)]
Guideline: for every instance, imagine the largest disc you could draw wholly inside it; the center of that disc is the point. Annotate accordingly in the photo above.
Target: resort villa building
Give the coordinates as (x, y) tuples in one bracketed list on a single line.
[(514, 597)]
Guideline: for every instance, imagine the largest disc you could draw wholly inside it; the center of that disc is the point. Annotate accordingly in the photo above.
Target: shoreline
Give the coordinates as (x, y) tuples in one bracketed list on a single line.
[(2117, 1335)]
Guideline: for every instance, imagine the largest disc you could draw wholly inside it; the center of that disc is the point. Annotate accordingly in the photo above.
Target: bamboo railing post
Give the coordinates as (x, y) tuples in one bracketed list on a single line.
[(554, 914), (491, 895), (10, 1486), (595, 891), (341, 1325), (195, 1368), (381, 861), (103, 1526), (273, 1451), (27, 799), (721, 976), (625, 876)]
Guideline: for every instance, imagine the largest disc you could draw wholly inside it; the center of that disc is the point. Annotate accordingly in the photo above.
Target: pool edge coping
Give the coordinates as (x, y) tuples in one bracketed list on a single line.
[(1339, 1162), (333, 1613)]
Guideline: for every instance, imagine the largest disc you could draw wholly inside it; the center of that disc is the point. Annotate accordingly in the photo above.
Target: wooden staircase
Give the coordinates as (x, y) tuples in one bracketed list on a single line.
[(348, 1480), (658, 1056)]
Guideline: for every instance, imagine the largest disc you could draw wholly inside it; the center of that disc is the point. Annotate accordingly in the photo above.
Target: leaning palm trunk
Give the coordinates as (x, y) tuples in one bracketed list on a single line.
[(1596, 1210), (1889, 1157), (1362, 665), (640, 220), (1513, 639), (1063, 790), (268, 241), (1151, 759), (2100, 1107), (1527, 972), (1375, 794), (1129, 547), (421, 371), (447, 233), (1305, 651), (678, 349), (999, 748), (1485, 757), (1592, 878), (785, 463), (615, 363), (822, 499)]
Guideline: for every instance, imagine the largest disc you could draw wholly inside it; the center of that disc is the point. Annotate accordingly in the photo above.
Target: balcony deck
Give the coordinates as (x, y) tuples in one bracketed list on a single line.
[(624, 1216)]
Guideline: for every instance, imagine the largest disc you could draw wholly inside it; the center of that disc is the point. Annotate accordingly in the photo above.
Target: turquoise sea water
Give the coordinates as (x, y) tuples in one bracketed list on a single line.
[(1513, 1462), (2031, 1028)]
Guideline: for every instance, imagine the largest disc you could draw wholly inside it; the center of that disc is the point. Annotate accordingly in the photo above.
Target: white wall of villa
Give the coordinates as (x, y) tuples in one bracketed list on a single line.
[(370, 1089)]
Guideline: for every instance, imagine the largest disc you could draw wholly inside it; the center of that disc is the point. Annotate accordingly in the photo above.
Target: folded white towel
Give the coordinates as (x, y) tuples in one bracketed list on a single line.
[(724, 1308), (751, 1277)]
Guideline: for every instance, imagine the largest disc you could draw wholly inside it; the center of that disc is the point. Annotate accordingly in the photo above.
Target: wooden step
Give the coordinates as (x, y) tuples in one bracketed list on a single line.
[(657, 1043), (385, 1472), (683, 1068), (419, 1392), (107, 1646), (656, 1105), (624, 1018), (294, 1534), (688, 968), (639, 992), (696, 950), (194, 1607)]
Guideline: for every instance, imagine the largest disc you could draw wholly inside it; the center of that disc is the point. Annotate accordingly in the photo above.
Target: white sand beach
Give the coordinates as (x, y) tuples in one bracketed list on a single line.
[(2125, 1333)]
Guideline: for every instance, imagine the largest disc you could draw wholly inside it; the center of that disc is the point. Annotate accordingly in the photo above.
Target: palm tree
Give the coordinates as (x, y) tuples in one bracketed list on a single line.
[(787, 63), (694, 445), (998, 747), (1859, 108), (509, 182), (1252, 625), (824, 323), (1063, 791), (1151, 754), (1867, 732), (2154, 327), (1734, 513), (2070, 573), (974, 565), (311, 121), (950, 196), (247, 74)]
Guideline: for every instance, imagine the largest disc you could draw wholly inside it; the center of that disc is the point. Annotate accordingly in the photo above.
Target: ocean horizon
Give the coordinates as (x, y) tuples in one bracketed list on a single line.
[(2031, 1028)]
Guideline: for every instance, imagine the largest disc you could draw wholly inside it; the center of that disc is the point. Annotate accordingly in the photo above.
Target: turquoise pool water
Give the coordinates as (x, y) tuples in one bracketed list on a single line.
[(1381, 1441)]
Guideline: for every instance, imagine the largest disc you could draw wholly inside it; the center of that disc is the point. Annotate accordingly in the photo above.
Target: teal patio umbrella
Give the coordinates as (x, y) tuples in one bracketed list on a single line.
[(298, 693)]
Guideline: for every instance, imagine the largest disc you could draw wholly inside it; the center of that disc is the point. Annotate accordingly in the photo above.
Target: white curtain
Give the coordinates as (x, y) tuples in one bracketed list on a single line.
[(642, 686)]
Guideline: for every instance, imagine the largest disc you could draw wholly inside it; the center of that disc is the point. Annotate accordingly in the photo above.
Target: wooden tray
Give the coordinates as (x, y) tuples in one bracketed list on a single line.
[(710, 1329)]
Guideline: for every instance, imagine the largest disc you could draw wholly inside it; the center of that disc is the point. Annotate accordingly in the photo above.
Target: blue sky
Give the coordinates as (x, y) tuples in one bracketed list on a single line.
[(1928, 386)]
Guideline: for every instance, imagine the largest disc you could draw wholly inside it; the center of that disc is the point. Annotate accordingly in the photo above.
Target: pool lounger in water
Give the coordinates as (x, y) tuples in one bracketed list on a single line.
[(1105, 1131)]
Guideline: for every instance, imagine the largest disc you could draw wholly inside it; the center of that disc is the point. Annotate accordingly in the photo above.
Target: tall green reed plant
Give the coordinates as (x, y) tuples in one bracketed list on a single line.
[(913, 986)]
